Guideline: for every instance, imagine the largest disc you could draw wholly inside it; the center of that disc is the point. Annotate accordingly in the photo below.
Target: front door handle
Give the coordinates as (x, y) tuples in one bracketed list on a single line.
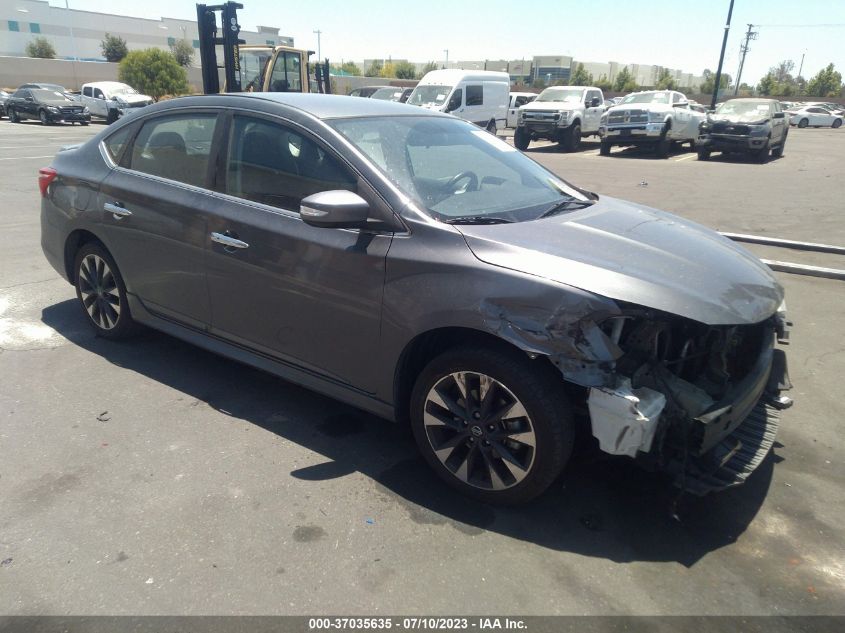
[(118, 212), (228, 241)]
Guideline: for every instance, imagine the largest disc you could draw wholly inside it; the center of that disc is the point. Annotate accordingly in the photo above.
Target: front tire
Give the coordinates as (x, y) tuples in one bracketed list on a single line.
[(803, 123), (521, 140), (102, 293), (762, 155), (778, 151), (42, 116), (13, 116), (836, 123), (604, 148), (664, 145), (703, 154), (571, 138), (491, 127), (492, 423), (111, 117)]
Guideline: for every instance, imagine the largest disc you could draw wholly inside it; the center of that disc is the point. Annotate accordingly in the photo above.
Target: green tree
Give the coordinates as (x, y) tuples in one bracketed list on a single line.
[(581, 77), (779, 81), (427, 69), (374, 70), (624, 79), (113, 47), (351, 68), (41, 47), (706, 86), (182, 52), (405, 70), (388, 70), (560, 82), (154, 72), (827, 83), (538, 84), (603, 83), (665, 81)]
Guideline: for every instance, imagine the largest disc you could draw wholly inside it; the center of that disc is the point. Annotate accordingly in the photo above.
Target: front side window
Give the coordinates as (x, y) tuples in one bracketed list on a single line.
[(286, 75), (275, 165), (454, 170), (475, 95), (86, 91), (98, 94), (175, 147)]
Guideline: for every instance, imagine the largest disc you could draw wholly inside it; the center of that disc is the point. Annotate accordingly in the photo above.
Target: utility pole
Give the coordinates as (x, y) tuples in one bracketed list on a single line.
[(319, 55), (446, 50), (801, 67), (722, 57), (743, 48)]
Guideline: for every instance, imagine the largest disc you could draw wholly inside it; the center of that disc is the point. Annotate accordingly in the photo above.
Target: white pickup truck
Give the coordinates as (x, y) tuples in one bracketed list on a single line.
[(110, 100), (562, 114), (654, 117)]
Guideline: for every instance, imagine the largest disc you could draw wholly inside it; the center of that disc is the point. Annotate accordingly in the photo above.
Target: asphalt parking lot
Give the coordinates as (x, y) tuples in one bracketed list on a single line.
[(151, 477)]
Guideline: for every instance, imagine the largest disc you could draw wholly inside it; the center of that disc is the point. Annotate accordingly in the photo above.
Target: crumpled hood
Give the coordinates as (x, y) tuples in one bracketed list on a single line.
[(631, 253), (747, 117), (130, 99)]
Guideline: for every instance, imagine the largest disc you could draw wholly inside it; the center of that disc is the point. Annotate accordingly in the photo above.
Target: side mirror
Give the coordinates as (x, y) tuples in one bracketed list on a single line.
[(778, 115), (335, 209), (595, 103)]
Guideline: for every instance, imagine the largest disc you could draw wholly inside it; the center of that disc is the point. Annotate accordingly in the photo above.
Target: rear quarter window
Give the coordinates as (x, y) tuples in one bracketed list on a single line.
[(116, 143)]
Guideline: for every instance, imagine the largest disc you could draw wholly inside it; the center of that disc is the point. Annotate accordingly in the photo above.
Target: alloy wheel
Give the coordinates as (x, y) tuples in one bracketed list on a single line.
[(479, 430), (99, 292)]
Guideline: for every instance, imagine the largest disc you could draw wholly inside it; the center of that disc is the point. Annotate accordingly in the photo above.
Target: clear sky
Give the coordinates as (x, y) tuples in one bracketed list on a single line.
[(685, 34)]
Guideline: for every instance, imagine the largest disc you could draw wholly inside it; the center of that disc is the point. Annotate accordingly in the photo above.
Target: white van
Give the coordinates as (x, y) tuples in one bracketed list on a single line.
[(478, 96)]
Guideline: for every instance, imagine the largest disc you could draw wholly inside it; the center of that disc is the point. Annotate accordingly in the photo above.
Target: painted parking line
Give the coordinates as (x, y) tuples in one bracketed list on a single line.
[(28, 157), (678, 160)]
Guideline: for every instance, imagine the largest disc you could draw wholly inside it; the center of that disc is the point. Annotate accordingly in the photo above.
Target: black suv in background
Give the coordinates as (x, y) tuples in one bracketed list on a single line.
[(49, 106), (747, 126)]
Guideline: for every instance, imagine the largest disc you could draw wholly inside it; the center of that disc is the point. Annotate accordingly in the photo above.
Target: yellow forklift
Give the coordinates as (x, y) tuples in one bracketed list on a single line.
[(253, 68)]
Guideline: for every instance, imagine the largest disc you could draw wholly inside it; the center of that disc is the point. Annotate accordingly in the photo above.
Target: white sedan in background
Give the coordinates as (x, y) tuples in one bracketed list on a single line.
[(814, 116)]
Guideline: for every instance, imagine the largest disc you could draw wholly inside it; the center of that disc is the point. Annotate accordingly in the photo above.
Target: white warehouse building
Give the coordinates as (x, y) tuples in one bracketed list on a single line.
[(77, 34)]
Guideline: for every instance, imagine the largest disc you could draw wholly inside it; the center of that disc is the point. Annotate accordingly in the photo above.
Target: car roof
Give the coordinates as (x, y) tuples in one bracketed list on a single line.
[(322, 106), (106, 84)]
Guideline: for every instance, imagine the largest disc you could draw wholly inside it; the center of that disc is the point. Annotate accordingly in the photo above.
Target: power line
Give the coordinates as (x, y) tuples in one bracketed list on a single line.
[(799, 26)]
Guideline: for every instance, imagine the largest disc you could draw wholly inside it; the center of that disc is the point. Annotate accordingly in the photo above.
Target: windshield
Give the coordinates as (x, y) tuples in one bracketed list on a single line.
[(387, 94), (253, 65), (746, 110), (429, 95), (456, 170), (567, 95), (49, 95), (647, 97), (123, 90)]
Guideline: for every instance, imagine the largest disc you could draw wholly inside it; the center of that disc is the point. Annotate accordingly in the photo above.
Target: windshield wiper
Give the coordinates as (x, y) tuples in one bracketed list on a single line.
[(567, 205), (478, 219)]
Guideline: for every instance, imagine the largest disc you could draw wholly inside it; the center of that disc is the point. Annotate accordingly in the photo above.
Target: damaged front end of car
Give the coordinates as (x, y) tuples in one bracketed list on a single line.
[(700, 402)]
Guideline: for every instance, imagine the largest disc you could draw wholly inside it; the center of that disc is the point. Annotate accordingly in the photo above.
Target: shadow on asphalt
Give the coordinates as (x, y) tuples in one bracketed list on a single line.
[(587, 145), (602, 507)]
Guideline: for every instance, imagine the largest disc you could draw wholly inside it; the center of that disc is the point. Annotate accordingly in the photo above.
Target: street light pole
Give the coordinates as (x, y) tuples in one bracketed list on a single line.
[(722, 57), (801, 67), (319, 55), (446, 50)]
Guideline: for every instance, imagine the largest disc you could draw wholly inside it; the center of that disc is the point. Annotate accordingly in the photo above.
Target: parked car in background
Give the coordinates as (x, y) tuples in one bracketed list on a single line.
[(697, 107), (53, 87), (4, 96), (835, 108), (477, 96), (562, 114), (657, 118), (365, 91), (813, 116), (517, 100), (392, 93), (747, 126), (406, 263), (110, 100), (48, 106)]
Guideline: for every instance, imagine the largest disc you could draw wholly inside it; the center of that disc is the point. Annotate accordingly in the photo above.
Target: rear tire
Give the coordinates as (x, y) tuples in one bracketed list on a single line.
[(836, 123), (571, 138), (803, 123), (506, 448), (102, 293), (521, 140)]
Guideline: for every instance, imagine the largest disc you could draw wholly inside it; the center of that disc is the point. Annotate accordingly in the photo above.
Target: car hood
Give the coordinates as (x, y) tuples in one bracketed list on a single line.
[(651, 107), (57, 101), (631, 253), (551, 105), (750, 118), (134, 98)]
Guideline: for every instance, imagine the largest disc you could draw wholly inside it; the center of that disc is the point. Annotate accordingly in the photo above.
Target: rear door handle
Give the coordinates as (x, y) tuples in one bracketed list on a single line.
[(228, 241), (116, 210)]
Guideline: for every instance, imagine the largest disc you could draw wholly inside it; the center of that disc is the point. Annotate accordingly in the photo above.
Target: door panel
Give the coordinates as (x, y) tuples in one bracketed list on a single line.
[(309, 296), (160, 243)]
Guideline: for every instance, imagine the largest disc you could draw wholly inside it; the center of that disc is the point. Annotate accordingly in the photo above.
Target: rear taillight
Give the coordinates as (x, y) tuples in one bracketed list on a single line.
[(46, 175)]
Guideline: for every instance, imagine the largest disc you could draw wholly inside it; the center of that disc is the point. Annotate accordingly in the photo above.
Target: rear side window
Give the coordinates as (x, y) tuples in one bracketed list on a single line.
[(276, 165), (520, 101), (176, 147), (116, 143), (475, 95)]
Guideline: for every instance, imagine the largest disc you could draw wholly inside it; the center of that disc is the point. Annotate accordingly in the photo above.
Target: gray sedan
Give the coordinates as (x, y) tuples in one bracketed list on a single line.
[(419, 268)]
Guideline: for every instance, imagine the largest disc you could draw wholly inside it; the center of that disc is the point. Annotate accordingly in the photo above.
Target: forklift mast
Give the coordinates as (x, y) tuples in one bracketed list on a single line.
[(207, 27)]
